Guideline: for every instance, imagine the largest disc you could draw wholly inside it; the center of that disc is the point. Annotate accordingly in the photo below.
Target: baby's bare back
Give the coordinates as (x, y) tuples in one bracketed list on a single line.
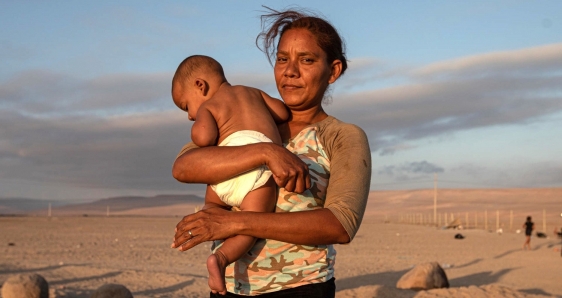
[(238, 108)]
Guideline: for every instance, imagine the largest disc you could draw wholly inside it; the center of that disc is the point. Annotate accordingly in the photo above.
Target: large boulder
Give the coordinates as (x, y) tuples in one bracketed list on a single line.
[(25, 286), (424, 277), (112, 291)]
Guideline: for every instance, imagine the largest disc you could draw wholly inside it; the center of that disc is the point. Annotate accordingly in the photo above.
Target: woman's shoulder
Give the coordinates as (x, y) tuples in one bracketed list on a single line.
[(331, 127), (338, 135)]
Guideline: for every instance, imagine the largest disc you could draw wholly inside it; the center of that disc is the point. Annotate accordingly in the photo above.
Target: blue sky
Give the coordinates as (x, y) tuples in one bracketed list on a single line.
[(470, 90)]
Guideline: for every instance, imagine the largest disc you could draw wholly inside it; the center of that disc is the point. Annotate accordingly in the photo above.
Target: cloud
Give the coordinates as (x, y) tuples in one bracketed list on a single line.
[(416, 168), (45, 92), (444, 98), (368, 71), (113, 132), (390, 150), (524, 62), (123, 152), (122, 131)]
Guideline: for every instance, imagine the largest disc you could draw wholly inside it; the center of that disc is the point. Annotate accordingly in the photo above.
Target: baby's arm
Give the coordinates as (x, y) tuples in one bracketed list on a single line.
[(204, 131), (276, 108)]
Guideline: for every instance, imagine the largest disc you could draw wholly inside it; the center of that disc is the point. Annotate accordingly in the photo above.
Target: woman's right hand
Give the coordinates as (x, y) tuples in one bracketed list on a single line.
[(212, 165), (289, 171)]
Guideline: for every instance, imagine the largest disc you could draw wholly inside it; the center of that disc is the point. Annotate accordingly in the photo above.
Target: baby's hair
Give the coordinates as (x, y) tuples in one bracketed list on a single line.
[(194, 64)]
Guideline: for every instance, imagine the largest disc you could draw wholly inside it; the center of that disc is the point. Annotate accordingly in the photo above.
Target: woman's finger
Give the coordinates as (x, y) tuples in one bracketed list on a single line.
[(191, 243), (205, 225), (290, 184), (302, 182), (183, 229)]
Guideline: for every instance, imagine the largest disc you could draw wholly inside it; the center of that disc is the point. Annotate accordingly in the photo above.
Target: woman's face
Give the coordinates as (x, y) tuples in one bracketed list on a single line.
[(302, 72)]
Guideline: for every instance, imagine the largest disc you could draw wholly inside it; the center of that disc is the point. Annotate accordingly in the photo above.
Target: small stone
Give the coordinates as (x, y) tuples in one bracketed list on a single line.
[(112, 291), (25, 286)]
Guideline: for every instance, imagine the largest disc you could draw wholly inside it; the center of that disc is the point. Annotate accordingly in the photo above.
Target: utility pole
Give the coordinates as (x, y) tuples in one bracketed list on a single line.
[(434, 198)]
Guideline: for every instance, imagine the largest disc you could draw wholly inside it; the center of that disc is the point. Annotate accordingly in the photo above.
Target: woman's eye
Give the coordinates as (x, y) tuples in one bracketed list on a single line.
[(307, 60), (281, 59)]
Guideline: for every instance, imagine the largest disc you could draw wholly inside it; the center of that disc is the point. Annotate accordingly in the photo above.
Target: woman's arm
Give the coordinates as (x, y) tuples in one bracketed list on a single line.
[(211, 165), (337, 223), (312, 227), (350, 178)]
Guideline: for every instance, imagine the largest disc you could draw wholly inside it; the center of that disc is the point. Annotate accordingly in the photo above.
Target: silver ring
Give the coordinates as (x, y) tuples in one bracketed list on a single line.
[(190, 235)]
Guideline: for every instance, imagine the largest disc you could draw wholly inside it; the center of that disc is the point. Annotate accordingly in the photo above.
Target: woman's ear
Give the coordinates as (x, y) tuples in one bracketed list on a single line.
[(335, 71)]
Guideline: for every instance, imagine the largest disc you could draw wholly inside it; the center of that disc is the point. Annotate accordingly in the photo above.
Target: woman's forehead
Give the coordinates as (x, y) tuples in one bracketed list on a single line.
[(300, 41)]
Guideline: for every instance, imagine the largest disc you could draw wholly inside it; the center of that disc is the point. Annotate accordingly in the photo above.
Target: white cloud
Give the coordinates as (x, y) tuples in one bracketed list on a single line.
[(424, 107), (122, 131), (525, 62)]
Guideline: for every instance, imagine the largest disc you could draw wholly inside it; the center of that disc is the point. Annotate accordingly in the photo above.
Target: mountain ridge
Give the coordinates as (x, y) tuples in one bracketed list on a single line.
[(26, 206)]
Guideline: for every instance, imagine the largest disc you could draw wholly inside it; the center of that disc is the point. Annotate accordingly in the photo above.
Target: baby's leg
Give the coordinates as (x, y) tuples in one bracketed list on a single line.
[(262, 199)]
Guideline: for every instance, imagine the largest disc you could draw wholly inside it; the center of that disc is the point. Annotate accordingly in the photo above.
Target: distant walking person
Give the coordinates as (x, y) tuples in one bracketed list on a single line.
[(529, 227)]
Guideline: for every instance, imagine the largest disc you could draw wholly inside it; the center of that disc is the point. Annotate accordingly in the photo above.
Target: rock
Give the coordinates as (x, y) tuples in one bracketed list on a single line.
[(424, 277), (25, 286), (112, 291)]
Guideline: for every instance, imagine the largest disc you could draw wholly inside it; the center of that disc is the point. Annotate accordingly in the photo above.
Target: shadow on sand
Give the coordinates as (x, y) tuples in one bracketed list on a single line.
[(479, 279), (30, 270), (536, 292), (68, 290), (93, 277), (476, 261), (382, 278), (165, 290), (389, 279)]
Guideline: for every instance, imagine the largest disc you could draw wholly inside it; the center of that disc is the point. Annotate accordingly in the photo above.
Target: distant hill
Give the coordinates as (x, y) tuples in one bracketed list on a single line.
[(160, 205), (543, 204), (24, 205)]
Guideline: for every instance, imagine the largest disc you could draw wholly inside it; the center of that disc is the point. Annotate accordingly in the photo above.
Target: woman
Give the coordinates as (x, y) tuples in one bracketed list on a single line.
[(323, 173)]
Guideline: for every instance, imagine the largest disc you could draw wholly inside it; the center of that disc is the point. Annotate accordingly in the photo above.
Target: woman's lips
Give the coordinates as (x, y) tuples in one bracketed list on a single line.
[(290, 87)]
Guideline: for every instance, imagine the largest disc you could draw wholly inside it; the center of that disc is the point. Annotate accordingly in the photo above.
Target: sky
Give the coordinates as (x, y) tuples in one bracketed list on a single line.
[(465, 93)]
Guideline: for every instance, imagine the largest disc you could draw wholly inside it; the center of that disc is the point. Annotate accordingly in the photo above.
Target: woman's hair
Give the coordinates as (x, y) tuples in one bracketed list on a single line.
[(276, 23), (528, 218)]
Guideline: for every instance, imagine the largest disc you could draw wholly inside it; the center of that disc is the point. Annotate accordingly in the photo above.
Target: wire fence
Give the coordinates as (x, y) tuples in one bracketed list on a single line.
[(500, 221)]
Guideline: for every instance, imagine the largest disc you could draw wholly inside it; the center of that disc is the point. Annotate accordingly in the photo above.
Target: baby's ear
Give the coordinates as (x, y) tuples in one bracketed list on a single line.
[(202, 86)]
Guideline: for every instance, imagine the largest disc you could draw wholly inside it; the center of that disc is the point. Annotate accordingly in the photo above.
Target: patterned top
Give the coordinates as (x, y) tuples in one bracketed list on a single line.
[(273, 265)]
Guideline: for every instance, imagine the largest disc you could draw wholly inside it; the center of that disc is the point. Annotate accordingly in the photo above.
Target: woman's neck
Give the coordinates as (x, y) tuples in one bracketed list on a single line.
[(309, 116), (301, 119)]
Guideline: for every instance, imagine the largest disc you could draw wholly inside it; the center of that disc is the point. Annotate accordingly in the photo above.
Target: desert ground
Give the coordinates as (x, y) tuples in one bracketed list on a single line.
[(78, 254)]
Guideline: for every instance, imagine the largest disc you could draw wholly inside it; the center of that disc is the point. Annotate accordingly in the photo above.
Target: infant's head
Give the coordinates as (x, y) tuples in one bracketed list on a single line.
[(196, 80)]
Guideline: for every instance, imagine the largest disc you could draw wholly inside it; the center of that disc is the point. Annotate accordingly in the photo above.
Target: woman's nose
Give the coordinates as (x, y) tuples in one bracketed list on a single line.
[(291, 69)]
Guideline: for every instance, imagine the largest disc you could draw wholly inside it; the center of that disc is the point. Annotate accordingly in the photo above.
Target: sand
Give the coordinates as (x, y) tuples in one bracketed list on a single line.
[(76, 255)]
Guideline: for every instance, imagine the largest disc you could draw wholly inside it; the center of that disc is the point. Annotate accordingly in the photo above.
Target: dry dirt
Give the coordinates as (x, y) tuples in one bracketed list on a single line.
[(76, 255)]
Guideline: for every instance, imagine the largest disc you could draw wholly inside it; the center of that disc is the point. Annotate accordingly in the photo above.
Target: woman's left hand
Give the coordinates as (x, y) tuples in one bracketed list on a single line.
[(205, 225)]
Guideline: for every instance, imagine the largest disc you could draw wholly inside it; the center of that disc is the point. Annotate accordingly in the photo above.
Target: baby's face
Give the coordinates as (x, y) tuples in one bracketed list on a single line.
[(187, 99)]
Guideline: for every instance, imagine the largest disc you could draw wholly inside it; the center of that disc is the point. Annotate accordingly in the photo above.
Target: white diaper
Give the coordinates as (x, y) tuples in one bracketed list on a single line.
[(233, 191)]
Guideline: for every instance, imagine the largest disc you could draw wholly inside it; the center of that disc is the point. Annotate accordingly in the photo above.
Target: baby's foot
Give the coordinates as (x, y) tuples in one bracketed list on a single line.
[(216, 265)]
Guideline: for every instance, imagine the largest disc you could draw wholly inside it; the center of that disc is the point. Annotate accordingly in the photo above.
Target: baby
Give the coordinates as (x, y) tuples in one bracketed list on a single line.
[(229, 116)]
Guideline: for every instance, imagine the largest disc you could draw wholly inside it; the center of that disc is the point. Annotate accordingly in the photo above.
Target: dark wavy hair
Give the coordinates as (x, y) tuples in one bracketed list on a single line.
[(276, 23)]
